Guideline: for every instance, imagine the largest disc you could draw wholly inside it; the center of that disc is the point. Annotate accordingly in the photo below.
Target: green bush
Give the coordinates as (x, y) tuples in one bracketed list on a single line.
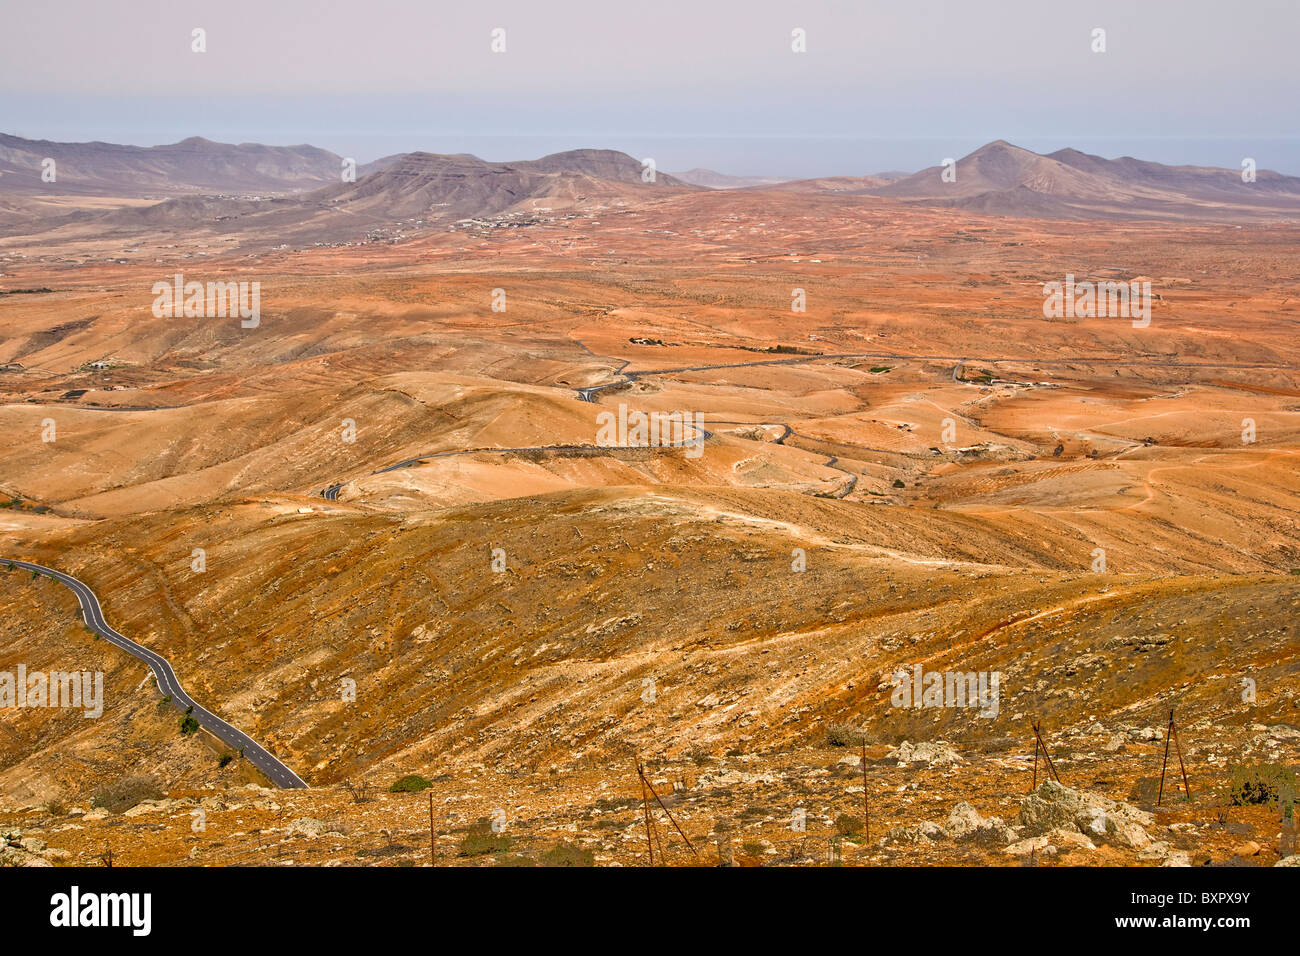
[(566, 854), (898, 483), (188, 725), (411, 783), (224, 760), (1261, 783)]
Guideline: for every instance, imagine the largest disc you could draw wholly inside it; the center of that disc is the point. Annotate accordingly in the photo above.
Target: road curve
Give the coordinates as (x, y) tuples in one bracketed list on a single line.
[(589, 393), (255, 753)]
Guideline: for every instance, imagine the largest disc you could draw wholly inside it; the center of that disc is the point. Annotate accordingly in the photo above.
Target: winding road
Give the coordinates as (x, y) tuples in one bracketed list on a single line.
[(255, 753), (589, 393), (279, 773)]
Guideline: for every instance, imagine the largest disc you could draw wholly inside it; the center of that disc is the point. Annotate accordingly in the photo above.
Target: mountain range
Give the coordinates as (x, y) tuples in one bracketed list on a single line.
[(430, 185), (194, 165), (296, 192), (1003, 179)]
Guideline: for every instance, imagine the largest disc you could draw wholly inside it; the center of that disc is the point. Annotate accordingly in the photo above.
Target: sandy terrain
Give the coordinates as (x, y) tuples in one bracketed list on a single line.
[(944, 460)]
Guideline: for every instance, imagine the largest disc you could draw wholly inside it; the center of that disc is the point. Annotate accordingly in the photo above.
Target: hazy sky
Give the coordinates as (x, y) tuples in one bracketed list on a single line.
[(883, 85)]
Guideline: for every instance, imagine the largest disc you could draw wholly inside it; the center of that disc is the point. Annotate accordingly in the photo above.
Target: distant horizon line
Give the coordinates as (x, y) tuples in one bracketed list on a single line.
[(702, 165)]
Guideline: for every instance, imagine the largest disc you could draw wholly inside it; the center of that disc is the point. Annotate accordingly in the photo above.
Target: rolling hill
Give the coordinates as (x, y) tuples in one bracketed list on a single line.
[(1003, 179), (412, 190), (194, 165), (430, 185)]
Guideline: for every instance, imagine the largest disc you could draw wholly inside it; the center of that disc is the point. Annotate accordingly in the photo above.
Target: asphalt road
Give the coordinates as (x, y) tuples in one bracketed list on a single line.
[(590, 393), (254, 752)]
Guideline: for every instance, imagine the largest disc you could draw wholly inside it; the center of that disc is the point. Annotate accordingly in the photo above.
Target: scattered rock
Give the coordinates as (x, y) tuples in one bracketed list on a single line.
[(613, 625), (1054, 806), (965, 825), (17, 851), (1040, 845), (731, 778), (921, 833), (153, 806), (932, 754), (310, 826), (1143, 643), (1067, 840), (1162, 853)]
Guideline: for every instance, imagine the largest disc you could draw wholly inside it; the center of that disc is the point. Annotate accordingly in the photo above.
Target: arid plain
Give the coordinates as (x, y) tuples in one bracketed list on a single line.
[(918, 468)]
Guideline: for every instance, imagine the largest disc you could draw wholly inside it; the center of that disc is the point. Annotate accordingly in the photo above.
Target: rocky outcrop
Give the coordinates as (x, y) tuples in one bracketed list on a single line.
[(15, 850), (927, 753), (964, 825), (1054, 806)]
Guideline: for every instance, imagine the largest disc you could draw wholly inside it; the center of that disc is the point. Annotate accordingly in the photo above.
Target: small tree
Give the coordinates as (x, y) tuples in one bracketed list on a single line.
[(411, 783)]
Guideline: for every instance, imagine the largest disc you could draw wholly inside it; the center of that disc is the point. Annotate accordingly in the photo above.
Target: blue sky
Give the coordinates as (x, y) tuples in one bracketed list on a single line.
[(881, 86)]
